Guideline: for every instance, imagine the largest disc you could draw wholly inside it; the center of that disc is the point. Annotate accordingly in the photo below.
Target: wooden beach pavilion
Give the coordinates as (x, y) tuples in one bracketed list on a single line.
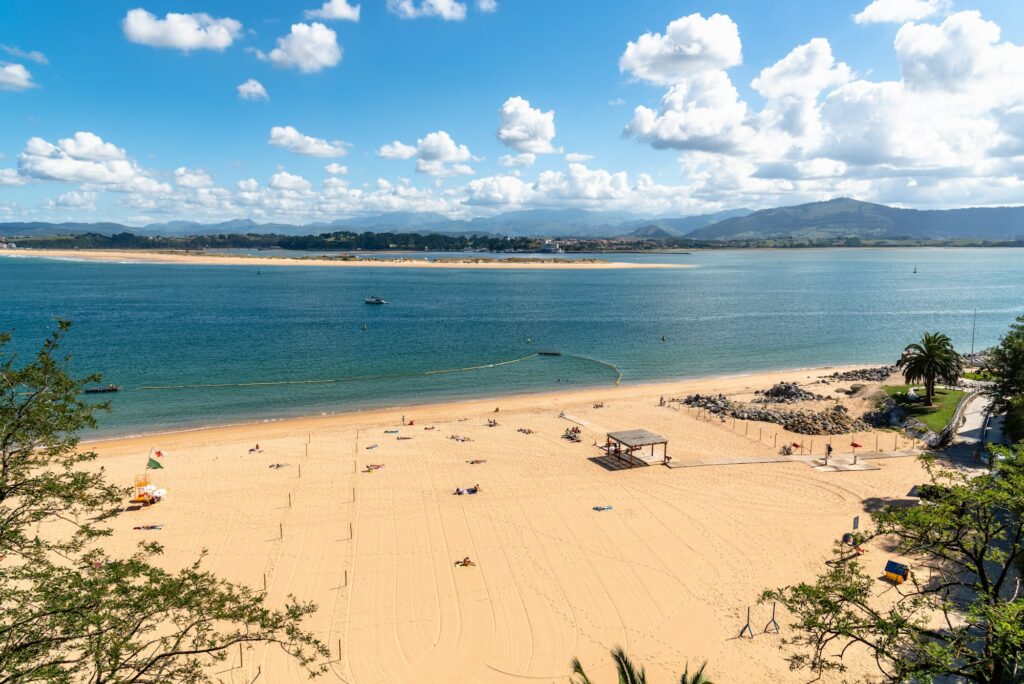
[(628, 445)]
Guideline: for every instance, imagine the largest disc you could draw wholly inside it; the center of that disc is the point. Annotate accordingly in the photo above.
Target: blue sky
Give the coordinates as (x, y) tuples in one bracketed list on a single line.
[(132, 111)]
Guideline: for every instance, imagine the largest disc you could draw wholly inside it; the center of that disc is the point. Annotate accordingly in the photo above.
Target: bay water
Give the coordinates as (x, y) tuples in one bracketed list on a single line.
[(235, 343)]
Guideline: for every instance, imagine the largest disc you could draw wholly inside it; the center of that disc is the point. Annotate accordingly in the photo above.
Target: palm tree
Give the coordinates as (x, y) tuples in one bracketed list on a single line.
[(698, 676), (628, 674), (930, 360)]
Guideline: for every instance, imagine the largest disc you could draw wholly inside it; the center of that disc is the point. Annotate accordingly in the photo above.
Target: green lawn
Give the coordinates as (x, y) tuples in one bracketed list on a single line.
[(936, 416), (979, 376)]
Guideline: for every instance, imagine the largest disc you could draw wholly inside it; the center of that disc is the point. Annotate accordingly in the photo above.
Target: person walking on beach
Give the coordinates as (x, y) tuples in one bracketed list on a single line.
[(828, 452)]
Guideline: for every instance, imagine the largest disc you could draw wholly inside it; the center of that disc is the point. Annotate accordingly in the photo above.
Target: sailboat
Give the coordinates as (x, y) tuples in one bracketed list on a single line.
[(915, 268), (372, 298)]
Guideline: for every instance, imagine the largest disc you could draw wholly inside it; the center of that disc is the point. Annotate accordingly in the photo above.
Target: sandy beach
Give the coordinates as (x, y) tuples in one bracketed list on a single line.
[(381, 260), (668, 572)]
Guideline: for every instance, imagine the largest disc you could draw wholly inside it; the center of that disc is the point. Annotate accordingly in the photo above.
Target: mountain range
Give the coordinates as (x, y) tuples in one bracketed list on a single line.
[(837, 218)]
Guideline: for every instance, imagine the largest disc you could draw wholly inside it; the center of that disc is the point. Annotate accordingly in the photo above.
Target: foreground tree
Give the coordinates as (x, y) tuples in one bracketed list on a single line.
[(931, 360), (960, 615), (68, 612), (629, 674), (1006, 360)]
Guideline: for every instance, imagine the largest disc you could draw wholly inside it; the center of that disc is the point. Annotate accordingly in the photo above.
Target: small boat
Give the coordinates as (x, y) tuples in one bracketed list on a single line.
[(549, 353), (915, 268), (102, 390), (372, 298)]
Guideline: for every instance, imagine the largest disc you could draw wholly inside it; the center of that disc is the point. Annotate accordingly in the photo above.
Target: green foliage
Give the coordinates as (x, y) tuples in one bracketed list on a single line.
[(629, 674), (697, 677), (936, 416), (341, 240), (68, 612), (960, 614), (1007, 363), (930, 360), (40, 416), (1014, 422)]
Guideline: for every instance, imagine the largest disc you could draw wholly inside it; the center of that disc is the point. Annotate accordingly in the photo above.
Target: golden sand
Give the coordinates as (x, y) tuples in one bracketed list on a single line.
[(667, 573)]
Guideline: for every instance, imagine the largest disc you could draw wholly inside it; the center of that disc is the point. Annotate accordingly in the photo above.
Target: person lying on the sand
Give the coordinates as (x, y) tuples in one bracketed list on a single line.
[(459, 491), (275, 466), (476, 461), (465, 562), (148, 527), (372, 446), (373, 466)]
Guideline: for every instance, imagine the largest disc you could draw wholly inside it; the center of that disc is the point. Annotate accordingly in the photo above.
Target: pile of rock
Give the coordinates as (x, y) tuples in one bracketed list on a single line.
[(835, 421), (862, 374), (785, 393), (717, 404)]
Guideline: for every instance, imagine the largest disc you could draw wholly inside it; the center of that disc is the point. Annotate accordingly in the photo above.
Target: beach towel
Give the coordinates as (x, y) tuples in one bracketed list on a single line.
[(391, 432)]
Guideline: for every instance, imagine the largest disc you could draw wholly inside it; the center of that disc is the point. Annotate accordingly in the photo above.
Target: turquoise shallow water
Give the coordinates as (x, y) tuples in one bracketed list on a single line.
[(740, 311)]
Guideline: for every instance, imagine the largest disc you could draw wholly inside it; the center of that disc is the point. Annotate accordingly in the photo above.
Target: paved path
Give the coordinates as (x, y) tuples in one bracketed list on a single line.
[(974, 432)]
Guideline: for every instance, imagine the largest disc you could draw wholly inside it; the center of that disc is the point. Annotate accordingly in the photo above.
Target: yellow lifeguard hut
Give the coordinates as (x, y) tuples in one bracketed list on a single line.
[(144, 491)]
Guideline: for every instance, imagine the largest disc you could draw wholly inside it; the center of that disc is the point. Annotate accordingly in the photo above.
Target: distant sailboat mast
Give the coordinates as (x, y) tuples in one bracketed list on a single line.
[(372, 298)]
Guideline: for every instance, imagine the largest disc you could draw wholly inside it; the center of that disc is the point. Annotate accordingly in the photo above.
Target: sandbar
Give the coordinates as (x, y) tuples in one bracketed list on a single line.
[(378, 260)]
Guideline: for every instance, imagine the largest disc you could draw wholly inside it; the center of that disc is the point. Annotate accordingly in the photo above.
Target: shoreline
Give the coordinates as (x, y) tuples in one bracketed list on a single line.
[(474, 405), (210, 259)]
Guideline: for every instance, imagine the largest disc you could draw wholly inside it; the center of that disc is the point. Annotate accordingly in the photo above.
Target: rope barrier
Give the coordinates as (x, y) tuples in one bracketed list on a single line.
[(329, 381), (272, 383), (618, 373)]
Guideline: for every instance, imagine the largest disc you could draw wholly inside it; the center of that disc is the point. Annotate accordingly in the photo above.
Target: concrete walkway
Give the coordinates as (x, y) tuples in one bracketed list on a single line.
[(974, 433)]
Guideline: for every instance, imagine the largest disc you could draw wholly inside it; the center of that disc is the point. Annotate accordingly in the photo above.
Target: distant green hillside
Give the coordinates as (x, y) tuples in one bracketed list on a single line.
[(844, 217)]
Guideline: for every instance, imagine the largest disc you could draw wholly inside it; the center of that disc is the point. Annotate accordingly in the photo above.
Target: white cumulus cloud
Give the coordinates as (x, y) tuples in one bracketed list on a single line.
[(336, 169), (307, 47), (11, 177), (449, 10), (689, 46), (524, 128), (291, 139), (900, 11), (436, 154), (487, 5), (75, 199), (15, 77), (397, 150), (252, 90), (184, 32), (339, 10), (702, 112), (282, 180), (192, 178), (521, 159), (578, 157), (86, 158)]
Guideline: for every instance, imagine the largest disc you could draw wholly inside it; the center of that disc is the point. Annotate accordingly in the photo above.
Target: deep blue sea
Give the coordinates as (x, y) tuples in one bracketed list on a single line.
[(151, 325)]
